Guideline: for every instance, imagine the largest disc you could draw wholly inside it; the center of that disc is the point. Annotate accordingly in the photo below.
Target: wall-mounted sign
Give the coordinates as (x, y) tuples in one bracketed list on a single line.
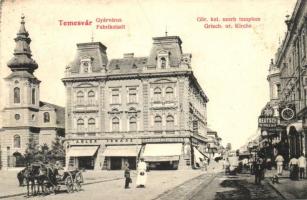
[(267, 119), (267, 122)]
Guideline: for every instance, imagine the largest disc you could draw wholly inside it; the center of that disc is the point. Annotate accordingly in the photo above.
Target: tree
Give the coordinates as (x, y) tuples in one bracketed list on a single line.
[(228, 146), (57, 151)]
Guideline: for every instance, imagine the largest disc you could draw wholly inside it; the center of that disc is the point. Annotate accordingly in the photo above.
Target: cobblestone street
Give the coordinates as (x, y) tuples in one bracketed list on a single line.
[(221, 187)]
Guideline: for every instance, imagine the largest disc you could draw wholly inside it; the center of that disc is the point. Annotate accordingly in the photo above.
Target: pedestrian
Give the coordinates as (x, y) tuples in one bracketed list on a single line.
[(227, 166), (279, 162), (127, 175), (258, 170), (293, 165), (204, 164), (141, 174), (302, 166), (268, 164)]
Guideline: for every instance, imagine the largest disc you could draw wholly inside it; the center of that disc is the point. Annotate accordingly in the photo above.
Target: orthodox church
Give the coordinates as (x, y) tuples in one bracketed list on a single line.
[(26, 119)]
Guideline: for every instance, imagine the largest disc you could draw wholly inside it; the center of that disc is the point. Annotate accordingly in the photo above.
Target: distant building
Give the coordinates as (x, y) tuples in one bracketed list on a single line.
[(26, 118), (120, 110)]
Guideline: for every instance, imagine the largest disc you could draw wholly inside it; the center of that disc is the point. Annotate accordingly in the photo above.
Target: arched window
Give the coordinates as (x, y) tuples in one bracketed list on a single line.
[(132, 124), (91, 97), (16, 95), (80, 98), (91, 124), (169, 93), (46, 117), (170, 122), (115, 124), (16, 141), (33, 95), (163, 62), (80, 124), (157, 94), (158, 122)]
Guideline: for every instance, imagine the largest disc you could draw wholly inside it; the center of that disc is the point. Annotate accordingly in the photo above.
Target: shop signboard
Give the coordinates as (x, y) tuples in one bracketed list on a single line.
[(267, 120)]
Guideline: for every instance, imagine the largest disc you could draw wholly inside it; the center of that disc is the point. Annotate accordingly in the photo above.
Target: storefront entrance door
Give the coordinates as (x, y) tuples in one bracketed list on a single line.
[(116, 163)]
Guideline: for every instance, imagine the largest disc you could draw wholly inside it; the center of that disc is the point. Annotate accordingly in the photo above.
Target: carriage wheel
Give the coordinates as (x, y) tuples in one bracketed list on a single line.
[(78, 180), (69, 184)]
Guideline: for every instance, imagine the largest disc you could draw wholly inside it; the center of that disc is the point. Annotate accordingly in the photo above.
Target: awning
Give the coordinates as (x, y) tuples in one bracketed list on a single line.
[(297, 125), (162, 152), (122, 151), (198, 156), (82, 151)]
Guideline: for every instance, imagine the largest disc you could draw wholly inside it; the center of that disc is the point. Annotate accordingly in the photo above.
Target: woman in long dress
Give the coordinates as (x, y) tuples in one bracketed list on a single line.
[(141, 174)]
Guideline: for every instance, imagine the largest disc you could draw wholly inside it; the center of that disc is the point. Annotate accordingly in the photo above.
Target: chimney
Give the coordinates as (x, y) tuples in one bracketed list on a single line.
[(128, 55)]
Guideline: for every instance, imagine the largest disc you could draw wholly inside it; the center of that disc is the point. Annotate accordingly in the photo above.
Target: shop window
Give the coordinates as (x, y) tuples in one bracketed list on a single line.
[(16, 141), (115, 124), (46, 117), (16, 95), (132, 124)]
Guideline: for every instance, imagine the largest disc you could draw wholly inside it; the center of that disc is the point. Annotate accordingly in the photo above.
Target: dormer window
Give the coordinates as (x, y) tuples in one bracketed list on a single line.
[(163, 62), (86, 65), (163, 59)]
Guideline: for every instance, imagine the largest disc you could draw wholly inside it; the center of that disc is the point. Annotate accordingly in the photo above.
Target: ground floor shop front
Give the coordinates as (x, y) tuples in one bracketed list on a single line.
[(159, 154)]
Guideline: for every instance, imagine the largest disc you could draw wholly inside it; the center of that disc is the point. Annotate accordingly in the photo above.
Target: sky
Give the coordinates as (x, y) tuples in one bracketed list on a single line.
[(231, 64)]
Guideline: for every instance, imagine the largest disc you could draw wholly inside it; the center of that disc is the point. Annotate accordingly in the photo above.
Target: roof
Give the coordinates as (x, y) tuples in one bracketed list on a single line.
[(127, 65), (59, 110), (94, 50), (23, 74)]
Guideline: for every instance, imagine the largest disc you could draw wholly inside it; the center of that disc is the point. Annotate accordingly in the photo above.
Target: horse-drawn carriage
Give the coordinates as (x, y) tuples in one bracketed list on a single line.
[(47, 178)]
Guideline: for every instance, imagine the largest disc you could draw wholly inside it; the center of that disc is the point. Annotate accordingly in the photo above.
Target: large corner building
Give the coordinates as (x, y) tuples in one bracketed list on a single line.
[(122, 109)]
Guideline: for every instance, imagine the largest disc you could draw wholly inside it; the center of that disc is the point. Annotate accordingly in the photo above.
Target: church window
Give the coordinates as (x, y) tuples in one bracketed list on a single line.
[(16, 141), (17, 116), (33, 95), (16, 95), (46, 117)]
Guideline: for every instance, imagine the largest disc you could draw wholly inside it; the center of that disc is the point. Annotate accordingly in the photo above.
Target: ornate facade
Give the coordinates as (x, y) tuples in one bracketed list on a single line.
[(121, 109), (26, 118)]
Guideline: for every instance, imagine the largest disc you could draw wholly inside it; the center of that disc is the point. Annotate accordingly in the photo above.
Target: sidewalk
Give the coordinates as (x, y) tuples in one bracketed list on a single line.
[(288, 188), (158, 182), (9, 183)]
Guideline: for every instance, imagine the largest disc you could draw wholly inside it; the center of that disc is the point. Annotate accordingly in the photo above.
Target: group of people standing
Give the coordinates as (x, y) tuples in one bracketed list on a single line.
[(296, 166), (141, 174)]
